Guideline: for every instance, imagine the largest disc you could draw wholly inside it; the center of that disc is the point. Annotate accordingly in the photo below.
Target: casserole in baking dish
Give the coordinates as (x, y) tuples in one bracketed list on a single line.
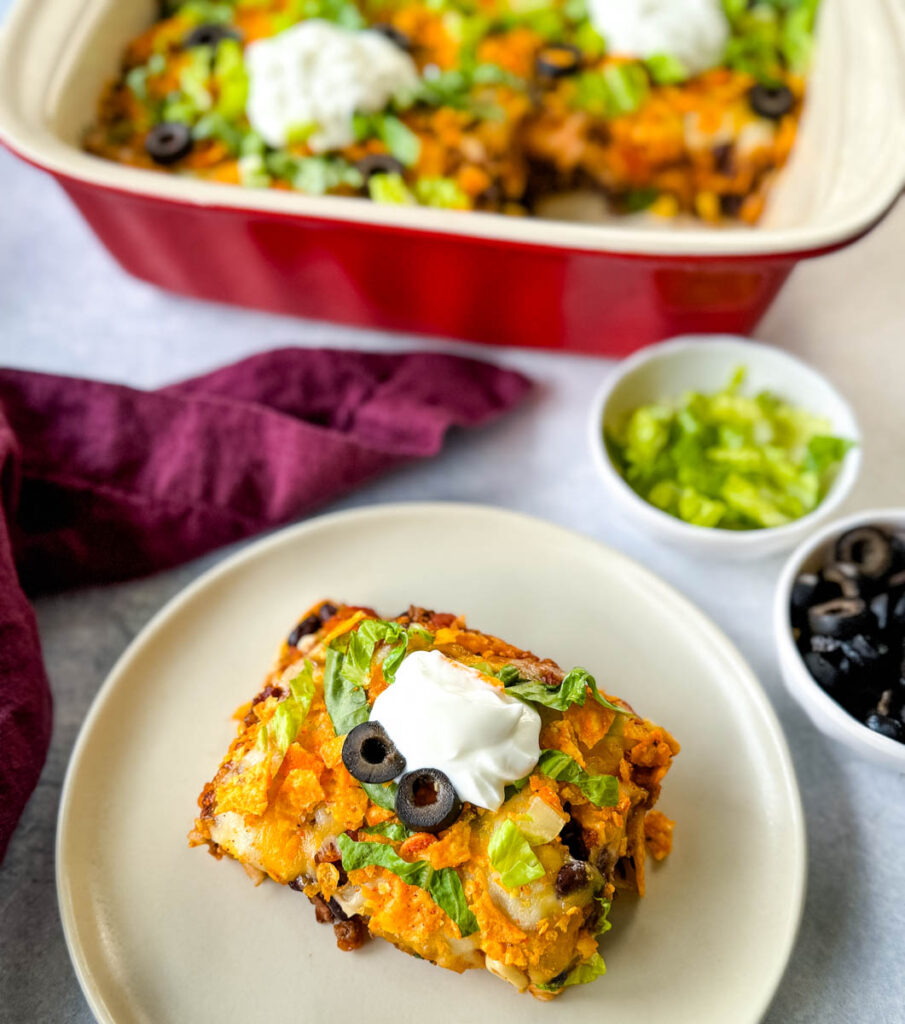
[(675, 106), (596, 287)]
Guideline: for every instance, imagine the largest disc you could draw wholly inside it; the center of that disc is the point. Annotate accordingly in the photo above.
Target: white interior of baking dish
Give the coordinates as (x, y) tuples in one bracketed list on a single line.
[(848, 166)]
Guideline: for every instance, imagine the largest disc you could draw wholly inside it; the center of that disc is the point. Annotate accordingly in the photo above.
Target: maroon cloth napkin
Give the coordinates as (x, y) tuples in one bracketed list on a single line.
[(100, 482)]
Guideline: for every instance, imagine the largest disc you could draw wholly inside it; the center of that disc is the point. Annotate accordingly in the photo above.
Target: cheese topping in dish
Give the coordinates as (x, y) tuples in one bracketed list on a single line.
[(445, 715), (314, 77), (694, 31)]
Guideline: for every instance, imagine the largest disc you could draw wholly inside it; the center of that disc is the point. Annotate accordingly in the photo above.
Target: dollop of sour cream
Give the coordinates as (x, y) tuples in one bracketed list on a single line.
[(442, 714), (694, 31), (317, 73)]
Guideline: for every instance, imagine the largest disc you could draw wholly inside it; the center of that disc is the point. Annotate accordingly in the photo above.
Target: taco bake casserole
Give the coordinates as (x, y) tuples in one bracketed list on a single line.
[(670, 106), (437, 787)]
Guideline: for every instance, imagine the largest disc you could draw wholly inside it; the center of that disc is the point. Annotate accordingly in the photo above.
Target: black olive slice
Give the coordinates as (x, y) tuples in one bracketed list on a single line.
[(394, 35), (771, 101), (370, 755), (168, 142), (426, 801), (845, 577), (379, 163), (823, 670), (827, 645), (841, 618), (804, 594), (556, 60), (210, 35), (897, 611), (868, 549), (879, 607), (886, 726), (310, 624), (861, 652), (898, 550)]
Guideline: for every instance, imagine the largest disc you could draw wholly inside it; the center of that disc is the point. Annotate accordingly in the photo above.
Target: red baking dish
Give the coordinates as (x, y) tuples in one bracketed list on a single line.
[(602, 287)]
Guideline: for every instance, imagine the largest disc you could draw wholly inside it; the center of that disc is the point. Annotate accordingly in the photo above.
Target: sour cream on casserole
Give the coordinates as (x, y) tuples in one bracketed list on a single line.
[(694, 31), (442, 714), (317, 73)]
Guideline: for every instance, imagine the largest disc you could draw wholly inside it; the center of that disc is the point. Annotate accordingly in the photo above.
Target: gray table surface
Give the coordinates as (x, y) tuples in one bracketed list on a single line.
[(65, 307)]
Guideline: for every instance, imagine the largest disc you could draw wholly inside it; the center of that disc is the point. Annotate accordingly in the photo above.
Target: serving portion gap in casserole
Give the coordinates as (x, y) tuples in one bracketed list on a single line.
[(672, 106), (437, 787)]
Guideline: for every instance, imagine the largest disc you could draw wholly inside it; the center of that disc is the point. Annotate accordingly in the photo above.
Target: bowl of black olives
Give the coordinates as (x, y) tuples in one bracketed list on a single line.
[(839, 617)]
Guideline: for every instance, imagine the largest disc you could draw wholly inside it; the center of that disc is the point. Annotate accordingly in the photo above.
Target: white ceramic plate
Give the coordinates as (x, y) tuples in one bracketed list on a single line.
[(161, 933)]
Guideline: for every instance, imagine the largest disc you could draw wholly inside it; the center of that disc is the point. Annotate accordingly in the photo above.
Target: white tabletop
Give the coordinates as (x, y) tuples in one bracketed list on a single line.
[(65, 307)]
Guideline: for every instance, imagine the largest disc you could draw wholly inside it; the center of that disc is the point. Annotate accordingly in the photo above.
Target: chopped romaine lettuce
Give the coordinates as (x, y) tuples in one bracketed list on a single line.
[(618, 90), (347, 703), (727, 459), (601, 790), (348, 668), (665, 69), (390, 188), (382, 794), (769, 36), (283, 726), (440, 192), (603, 921), (230, 79), (444, 886), (393, 830), (573, 690), (398, 138), (511, 856)]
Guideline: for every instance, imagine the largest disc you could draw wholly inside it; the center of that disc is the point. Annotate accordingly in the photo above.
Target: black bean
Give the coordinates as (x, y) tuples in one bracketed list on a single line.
[(310, 624), (572, 876), (338, 913), (326, 611), (731, 205)]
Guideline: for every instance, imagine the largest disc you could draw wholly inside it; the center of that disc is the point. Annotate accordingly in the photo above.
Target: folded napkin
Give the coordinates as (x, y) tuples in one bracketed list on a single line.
[(100, 482)]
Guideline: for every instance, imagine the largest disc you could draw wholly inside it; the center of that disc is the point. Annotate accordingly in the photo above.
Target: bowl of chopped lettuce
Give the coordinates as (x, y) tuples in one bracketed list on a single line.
[(726, 446)]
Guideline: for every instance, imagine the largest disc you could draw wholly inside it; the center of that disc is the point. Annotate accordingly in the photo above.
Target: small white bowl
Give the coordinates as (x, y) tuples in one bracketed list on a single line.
[(831, 719), (705, 363)]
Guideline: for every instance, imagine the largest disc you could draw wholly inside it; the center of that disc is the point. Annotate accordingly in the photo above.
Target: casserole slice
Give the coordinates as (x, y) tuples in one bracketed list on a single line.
[(521, 886)]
